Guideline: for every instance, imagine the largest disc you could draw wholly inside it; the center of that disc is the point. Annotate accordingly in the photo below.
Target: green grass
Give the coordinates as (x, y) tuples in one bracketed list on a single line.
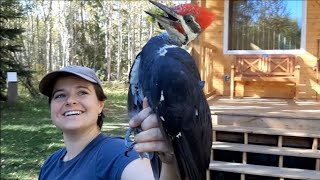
[(28, 136)]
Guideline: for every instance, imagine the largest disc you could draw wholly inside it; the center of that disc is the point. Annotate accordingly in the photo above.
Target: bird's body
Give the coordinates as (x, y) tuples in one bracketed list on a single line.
[(167, 75), (172, 84)]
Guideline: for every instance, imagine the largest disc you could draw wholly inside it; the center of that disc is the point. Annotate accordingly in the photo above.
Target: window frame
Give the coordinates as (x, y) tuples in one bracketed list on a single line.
[(292, 51)]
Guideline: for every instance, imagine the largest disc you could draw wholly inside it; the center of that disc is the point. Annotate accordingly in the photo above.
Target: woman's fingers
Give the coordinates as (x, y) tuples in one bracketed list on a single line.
[(140, 117), (153, 134), (150, 122), (144, 119), (151, 138), (145, 103), (153, 146)]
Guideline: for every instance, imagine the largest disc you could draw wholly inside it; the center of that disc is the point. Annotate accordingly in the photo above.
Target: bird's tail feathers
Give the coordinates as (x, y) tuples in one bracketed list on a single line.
[(189, 168)]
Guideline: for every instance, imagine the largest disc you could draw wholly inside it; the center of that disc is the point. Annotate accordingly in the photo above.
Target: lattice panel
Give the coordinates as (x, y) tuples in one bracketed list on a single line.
[(271, 64), (280, 64), (249, 64)]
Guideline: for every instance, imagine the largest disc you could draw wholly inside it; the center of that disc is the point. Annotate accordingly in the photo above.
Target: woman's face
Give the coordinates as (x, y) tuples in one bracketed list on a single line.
[(74, 105)]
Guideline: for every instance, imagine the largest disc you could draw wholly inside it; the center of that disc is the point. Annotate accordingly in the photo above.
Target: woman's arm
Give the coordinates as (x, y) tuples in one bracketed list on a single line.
[(152, 140), (138, 169)]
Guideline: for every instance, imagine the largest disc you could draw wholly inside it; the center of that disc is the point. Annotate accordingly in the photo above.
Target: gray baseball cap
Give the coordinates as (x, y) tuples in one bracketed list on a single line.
[(48, 81)]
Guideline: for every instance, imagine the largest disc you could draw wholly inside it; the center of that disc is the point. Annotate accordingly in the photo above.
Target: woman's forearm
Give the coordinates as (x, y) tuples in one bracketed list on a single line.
[(168, 172)]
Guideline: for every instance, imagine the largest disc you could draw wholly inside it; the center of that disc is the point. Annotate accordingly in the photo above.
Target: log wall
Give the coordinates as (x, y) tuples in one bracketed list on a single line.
[(215, 66)]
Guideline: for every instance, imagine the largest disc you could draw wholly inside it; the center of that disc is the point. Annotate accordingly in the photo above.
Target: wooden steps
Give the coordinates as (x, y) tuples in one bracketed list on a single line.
[(264, 170), (239, 144), (284, 151), (267, 131)]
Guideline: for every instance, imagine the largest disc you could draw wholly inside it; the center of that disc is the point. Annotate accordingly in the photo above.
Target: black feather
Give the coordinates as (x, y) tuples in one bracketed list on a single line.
[(184, 115)]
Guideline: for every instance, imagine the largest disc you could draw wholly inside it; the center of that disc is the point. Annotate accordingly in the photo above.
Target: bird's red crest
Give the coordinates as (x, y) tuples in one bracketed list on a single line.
[(202, 15)]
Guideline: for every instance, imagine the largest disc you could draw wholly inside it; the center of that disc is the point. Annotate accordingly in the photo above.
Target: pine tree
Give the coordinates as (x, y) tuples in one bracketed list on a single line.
[(10, 12)]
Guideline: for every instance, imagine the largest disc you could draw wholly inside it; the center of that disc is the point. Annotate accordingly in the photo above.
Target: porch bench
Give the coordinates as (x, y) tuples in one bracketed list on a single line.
[(279, 150), (269, 68)]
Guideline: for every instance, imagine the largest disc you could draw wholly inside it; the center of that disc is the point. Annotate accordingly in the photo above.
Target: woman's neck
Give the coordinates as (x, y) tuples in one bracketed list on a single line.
[(76, 142)]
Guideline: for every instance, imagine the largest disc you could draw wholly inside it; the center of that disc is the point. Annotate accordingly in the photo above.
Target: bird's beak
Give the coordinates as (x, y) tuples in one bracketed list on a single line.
[(170, 18)]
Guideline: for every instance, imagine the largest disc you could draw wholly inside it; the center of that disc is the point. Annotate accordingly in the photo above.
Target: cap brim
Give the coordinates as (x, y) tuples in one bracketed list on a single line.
[(48, 81)]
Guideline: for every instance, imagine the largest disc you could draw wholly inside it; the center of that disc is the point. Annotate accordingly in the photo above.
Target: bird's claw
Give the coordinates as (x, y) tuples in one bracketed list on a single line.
[(127, 141), (130, 144), (129, 149)]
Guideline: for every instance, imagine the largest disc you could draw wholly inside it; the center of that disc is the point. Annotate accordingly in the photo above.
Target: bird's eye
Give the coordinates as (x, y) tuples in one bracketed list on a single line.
[(188, 18)]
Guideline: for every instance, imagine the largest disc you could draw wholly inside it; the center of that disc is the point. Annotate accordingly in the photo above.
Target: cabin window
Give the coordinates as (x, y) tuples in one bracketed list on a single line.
[(266, 26)]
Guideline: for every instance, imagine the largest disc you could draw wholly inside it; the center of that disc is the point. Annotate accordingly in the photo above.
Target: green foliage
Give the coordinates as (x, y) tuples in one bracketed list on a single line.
[(10, 45), (262, 19), (156, 10), (28, 136)]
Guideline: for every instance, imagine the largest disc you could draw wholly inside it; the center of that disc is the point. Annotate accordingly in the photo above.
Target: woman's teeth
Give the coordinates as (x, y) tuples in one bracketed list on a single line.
[(70, 113)]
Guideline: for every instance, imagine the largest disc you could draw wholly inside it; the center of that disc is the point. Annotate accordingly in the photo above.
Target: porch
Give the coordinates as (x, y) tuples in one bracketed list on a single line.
[(265, 138), (266, 107)]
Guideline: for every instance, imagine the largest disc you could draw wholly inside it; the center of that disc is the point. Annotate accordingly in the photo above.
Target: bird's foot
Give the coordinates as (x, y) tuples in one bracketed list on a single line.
[(128, 142)]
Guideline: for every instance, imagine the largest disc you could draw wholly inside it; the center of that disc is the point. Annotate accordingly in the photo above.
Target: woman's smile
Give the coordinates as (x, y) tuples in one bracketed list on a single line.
[(72, 113), (74, 105)]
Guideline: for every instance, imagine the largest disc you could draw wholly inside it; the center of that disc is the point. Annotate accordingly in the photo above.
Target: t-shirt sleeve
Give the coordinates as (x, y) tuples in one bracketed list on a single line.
[(49, 163), (111, 159)]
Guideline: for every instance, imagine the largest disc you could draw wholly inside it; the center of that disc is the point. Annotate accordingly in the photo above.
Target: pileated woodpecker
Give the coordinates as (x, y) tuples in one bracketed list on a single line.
[(167, 75)]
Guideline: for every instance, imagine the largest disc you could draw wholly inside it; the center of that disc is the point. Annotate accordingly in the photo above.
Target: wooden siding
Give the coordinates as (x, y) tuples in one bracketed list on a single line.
[(214, 65)]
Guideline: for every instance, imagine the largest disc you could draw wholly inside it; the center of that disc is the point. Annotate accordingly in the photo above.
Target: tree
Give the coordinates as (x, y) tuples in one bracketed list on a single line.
[(11, 45), (104, 35), (266, 23)]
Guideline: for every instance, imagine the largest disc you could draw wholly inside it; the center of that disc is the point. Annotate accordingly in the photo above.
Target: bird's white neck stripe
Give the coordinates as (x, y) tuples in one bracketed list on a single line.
[(163, 51)]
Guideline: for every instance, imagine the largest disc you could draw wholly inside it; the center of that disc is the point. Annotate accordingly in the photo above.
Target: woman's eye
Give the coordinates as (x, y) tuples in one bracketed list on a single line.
[(82, 93), (58, 96)]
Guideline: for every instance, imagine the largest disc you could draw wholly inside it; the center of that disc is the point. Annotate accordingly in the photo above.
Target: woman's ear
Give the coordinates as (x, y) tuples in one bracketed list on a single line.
[(101, 105)]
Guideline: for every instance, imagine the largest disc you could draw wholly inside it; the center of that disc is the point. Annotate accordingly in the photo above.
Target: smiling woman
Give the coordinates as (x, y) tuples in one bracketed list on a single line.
[(76, 101), (75, 105)]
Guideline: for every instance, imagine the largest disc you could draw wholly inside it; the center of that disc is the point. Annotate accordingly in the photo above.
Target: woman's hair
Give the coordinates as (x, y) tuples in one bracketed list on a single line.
[(101, 97)]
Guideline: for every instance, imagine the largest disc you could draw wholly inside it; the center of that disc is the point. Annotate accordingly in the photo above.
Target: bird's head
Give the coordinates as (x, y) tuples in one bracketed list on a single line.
[(183, 22)]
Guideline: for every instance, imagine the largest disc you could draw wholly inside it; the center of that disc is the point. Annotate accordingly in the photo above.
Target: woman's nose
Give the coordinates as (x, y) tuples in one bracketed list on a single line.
[(71, 100)]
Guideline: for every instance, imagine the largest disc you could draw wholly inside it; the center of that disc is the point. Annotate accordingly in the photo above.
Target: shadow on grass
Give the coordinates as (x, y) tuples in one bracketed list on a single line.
[(116, 121), (26, 138)]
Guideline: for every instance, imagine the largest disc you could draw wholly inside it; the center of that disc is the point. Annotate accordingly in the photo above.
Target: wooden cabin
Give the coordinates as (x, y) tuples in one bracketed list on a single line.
[(225, 45), (262, 84)]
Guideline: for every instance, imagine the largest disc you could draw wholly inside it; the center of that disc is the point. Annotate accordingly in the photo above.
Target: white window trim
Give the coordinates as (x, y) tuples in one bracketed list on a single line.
[(295, 51)]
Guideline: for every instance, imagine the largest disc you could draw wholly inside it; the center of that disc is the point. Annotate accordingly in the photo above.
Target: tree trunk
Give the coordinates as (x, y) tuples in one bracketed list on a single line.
[(48, 25), (129, 50), (107, 9), (119, 44)]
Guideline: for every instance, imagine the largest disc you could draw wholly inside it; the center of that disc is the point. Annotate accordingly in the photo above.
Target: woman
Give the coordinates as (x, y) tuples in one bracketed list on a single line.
[(76, 101)]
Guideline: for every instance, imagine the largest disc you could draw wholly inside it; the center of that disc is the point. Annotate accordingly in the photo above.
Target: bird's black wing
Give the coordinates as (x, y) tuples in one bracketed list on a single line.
[(172, 84), (134, 105)]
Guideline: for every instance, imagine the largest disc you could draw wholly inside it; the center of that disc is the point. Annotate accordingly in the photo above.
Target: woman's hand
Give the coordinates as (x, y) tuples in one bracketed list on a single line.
[(150, 139)]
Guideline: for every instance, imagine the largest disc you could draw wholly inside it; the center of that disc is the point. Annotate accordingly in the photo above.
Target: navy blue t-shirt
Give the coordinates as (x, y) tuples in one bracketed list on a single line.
[(103, 158)]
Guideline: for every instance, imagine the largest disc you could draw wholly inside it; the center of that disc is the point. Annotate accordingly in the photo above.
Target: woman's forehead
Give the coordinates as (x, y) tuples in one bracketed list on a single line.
[(72, 81)]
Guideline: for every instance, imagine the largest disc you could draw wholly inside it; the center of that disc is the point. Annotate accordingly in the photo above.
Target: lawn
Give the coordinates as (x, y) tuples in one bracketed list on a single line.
[(28, 136)]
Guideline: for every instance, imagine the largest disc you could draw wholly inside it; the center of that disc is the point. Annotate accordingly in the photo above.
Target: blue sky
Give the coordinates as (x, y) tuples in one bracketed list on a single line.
[(295, 9)]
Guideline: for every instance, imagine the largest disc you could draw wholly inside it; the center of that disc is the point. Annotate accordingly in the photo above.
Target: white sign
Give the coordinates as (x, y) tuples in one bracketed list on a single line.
[(12, 77)]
